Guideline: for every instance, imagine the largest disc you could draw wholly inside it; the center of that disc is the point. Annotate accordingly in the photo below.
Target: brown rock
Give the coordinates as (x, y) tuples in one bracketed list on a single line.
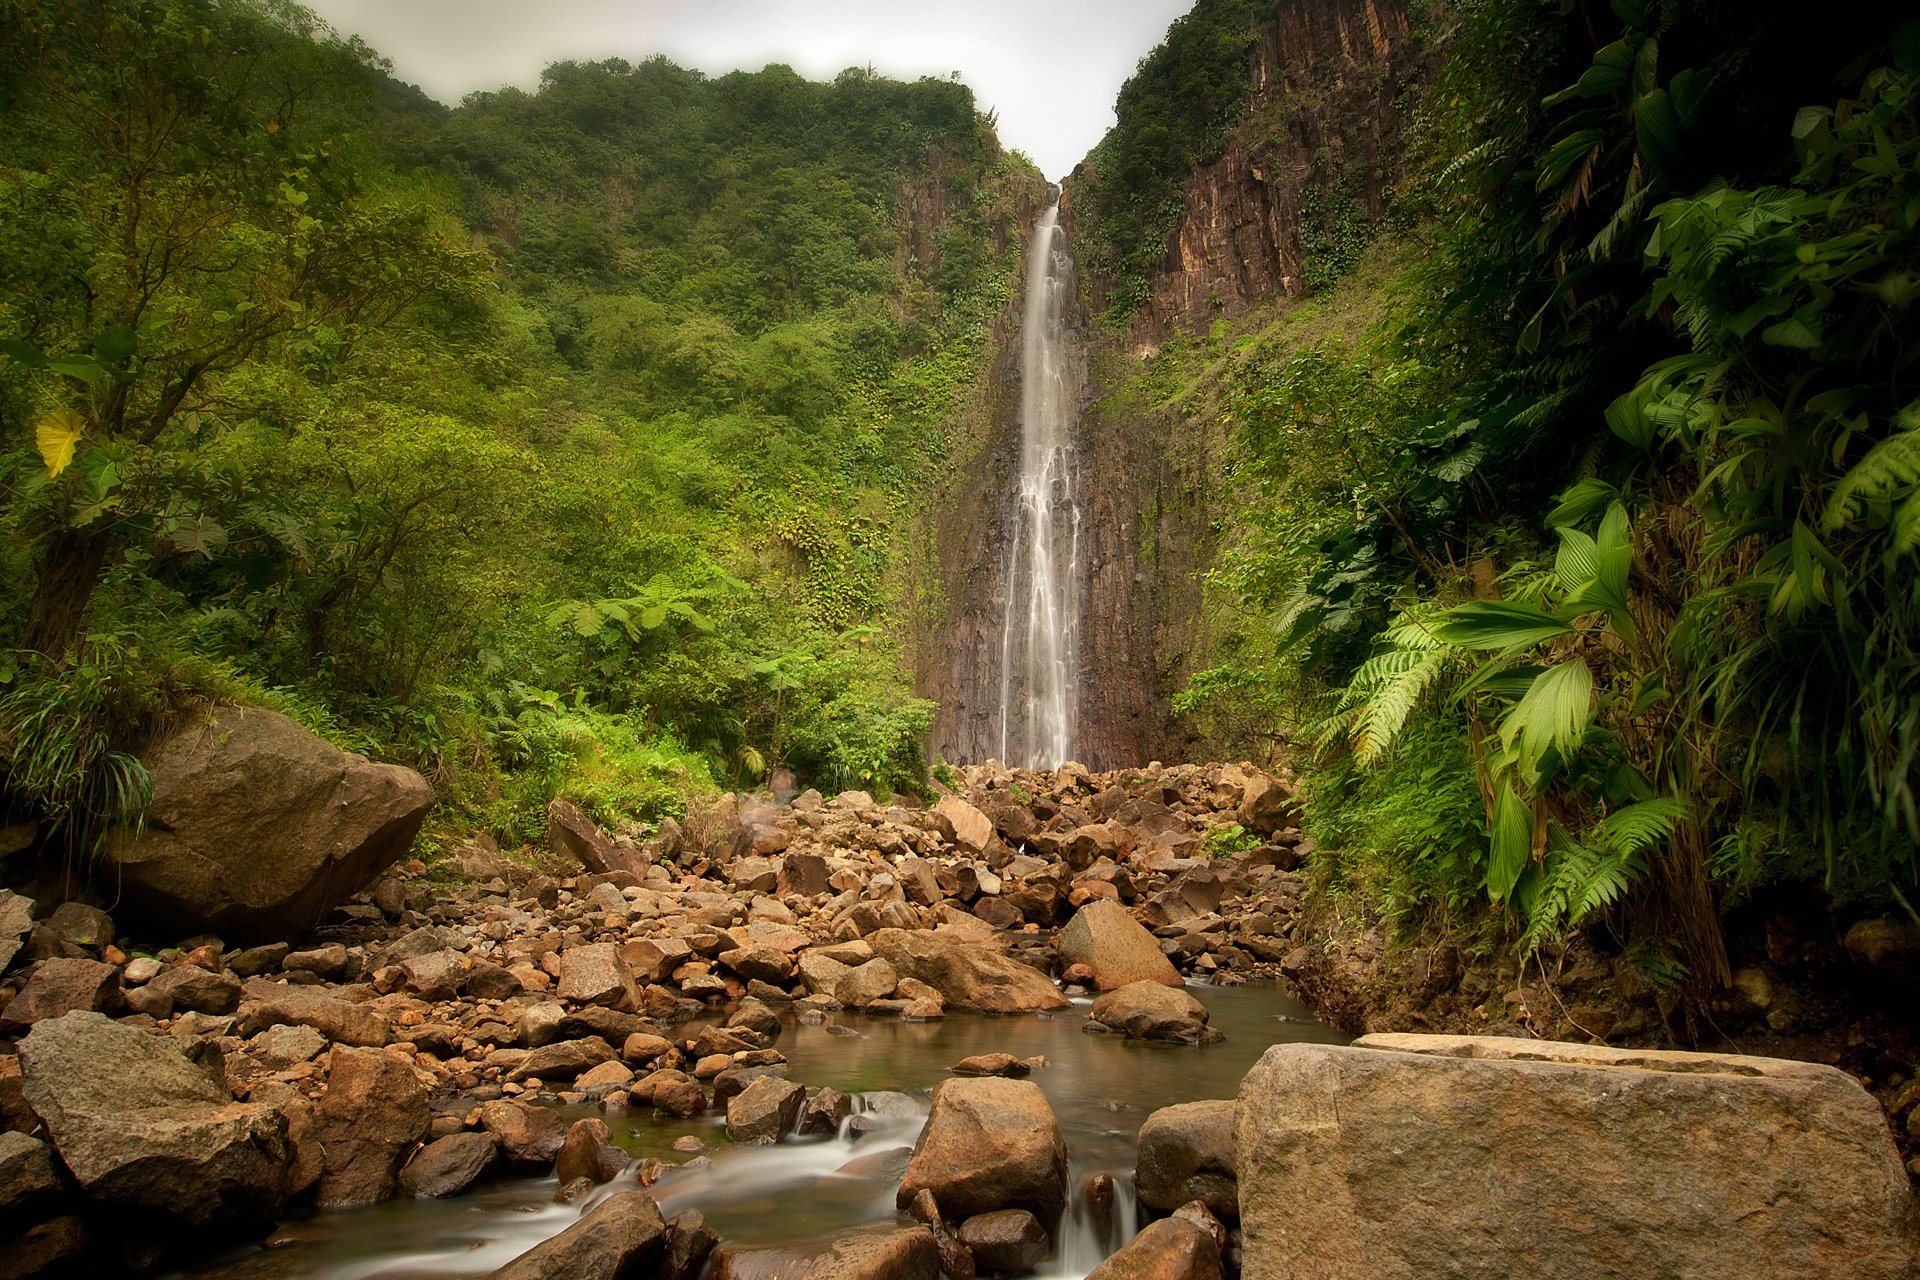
[(1268, 805), (373, 1113), (563, 1060), (1171, 1249), (530, 1137), (621, 1238), (266, 1003), (1106, 938), (804, 874), (766, 1111), (572, 834), (1007, 1241), (967, 975), (972, 829), (1149, 1011), (1186, 1153), (991, 1064), (188, 986), (892, 1252), (258, 827), (1453, 1160), (447, 1166), (64, 985), (28, 1184), (589, 1153), (597, 975), (990, 1144)]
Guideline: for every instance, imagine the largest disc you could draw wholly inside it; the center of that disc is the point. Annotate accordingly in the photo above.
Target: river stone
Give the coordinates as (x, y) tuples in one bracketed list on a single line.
[(991, 1064), (257, 827), (972, 829), (137, 1123), (71, 926), (765, 1111), (1186, 1153), (447, 1166), (891, 1252), (1176, 1249), (1149, 1011), (326, 961), (621, 1238), (767, 964), (372, 1114), (266, 1003), (61, 986), (1489, 1156), (189, 986), (282, 1046), (1104, 936), (16, 921), (967, 975), (990, 1143), (563, 1060), (825, 1112), (27, 1180), (589, 1153), (690, 1242), (530, 1137), (574, 835), (596, 975), (1010, 1241), (438, 975)]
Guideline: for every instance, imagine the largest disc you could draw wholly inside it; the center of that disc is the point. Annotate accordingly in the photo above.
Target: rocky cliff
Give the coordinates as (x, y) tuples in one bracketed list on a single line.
[(1309, 171)]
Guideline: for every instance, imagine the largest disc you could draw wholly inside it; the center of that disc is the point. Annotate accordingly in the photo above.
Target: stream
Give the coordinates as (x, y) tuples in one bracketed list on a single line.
[(1101, 1087)]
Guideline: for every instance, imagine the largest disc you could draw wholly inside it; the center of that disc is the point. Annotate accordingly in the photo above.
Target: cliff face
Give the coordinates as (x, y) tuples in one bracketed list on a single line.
[(1311, 166)]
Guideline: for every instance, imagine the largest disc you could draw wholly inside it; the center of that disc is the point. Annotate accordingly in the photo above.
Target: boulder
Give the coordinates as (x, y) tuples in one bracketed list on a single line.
[(266, 1003), (765, 1111), (373, 1114), (967, 975), (139, 1124), (597, 975), (447, 1166), (16, 921), (574, 835), (1267, 805), (28, 1183), (622, 1237), (589, 1153), (62, 986), (563, 1060), (257, 827), (189, 986), (1008, 1241), (803, 873), (1186, 1153), (1149, 1011), (1410, 1155), (972, 829), (1105, 937), (1172, 1249), (891, 1252), (530, 1137), (990, 1143)]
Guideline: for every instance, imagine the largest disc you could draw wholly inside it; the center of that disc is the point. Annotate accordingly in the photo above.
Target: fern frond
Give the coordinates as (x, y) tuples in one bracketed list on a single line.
[(1888, 468)]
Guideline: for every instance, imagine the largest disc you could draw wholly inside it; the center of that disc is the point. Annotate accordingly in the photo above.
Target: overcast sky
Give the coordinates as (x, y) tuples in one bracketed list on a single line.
[(1049, 67)]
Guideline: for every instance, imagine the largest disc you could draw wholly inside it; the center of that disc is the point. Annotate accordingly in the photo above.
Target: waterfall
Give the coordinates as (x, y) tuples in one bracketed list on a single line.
[(1039, 637)]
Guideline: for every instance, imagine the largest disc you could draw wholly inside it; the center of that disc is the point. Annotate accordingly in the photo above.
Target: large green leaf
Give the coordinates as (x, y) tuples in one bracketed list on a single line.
[(1554, 712), (1510, 846), (1496, 624)]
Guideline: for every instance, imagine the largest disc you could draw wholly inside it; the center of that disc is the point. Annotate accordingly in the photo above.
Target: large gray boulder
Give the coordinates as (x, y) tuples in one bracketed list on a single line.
[(140, 1125), (990, 1143), (258, 828), (967, 975), (1104, 936), (1420, 1156)]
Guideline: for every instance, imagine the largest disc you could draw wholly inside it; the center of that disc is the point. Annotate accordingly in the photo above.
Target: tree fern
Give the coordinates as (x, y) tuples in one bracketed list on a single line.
[(1890, 470)]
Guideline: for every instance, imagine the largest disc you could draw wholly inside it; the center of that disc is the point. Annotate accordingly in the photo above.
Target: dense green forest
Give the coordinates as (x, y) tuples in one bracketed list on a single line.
[(555, 443), (563, 442), (1577, 550)]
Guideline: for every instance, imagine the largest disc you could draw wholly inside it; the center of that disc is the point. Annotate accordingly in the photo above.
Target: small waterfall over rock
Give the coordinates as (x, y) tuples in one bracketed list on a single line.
[(1040, 633)]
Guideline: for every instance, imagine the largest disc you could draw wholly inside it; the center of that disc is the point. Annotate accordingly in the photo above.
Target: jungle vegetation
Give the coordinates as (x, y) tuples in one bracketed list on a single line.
[(554, 443)]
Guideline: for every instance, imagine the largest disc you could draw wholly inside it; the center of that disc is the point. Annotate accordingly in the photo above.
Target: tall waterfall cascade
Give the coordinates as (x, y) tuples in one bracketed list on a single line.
[(1039, 637)]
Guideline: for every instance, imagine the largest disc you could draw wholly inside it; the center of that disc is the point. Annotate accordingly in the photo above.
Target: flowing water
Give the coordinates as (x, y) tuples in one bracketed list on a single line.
[(1039, 637), (1101, 1087)]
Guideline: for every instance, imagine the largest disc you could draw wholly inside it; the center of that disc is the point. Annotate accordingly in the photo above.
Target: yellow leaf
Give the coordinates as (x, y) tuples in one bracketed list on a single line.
[(56, 435)]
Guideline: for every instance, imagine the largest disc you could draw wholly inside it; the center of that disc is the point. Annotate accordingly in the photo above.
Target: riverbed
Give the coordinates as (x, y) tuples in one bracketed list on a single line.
[(1101, 1087)]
